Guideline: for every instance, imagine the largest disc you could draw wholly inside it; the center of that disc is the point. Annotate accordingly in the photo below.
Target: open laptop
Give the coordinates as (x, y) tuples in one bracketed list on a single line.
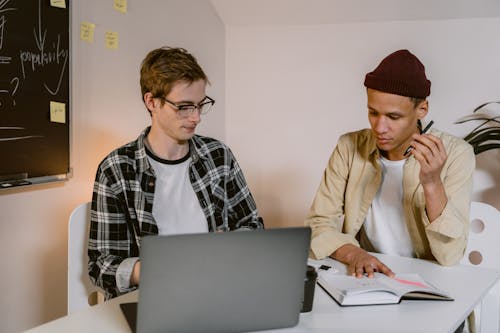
[(221, 282)]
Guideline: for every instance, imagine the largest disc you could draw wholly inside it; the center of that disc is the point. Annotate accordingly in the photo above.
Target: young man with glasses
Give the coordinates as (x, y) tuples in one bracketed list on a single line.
[(169, 180), (379, 195)]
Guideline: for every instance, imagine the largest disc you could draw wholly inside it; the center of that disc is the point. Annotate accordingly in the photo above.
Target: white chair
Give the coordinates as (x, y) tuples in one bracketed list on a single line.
[(483, 249), (81, 292)]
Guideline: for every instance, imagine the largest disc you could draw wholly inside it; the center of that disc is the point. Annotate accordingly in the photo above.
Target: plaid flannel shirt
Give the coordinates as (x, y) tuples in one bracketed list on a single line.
[(123, 196)]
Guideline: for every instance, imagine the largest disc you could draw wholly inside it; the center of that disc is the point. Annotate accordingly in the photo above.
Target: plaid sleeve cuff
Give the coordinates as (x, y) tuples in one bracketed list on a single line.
[(124, 272)]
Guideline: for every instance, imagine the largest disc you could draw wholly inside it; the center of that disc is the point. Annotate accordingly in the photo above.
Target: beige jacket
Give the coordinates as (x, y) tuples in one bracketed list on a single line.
[(351, 180)]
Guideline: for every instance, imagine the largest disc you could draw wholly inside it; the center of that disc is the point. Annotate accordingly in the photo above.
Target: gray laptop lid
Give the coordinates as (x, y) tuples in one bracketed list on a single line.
[(222, 282)]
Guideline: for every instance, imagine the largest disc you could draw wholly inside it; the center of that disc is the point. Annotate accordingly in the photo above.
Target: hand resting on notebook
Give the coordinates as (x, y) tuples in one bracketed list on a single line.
[(360, 262)]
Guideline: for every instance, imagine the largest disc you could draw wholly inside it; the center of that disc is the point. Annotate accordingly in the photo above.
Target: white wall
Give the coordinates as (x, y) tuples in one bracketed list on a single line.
[(292, 90), (107, 112)]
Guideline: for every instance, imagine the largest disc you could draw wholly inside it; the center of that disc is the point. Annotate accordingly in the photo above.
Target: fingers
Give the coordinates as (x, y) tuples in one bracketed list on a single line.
[(367, 266), (429, 146), (370, 269), (431, 154), (424, 148), (358, 271), (387, 271)]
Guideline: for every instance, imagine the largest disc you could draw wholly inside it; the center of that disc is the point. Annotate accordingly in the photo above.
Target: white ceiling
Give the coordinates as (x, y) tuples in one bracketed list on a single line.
[(312, 12)]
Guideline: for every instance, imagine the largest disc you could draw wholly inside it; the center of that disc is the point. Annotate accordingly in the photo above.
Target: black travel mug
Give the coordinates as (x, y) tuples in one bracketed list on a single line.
[(309, 284)]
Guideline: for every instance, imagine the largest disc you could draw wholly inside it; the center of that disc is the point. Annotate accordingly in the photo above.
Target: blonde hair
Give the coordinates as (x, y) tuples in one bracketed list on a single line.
[(163, 67)]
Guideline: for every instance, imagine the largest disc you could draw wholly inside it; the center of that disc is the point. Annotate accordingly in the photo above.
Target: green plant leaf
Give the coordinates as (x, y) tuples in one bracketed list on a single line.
[(482, 148), (483, 134), (484, 104), (478, 116), (486, 135)]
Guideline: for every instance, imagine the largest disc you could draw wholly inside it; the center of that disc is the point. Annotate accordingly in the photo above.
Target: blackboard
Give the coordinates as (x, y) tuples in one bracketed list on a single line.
[(34, 74)]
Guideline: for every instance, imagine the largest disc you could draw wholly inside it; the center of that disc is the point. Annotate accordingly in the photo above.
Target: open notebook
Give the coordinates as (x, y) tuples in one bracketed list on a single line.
[(381, 289)]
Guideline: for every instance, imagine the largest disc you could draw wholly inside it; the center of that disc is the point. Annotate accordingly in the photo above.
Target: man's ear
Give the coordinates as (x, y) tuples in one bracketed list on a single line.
[(422, 109), (149, 101)]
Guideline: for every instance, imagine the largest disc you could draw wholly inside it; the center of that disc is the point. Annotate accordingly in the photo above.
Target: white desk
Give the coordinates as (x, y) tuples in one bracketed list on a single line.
[(466, 284)]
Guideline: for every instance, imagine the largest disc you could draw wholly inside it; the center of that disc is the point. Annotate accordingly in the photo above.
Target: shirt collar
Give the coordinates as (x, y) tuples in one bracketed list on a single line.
[(371, 147), (197, 148), (141, 157)]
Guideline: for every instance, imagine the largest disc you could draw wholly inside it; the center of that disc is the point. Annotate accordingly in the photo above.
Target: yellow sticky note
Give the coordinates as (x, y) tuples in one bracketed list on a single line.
[(87, 31), (120, 5), (57, 112), (111, 39), (58, 3)]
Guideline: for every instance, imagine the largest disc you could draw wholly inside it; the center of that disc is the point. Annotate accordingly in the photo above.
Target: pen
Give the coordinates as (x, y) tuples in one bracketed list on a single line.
[(424, 131)]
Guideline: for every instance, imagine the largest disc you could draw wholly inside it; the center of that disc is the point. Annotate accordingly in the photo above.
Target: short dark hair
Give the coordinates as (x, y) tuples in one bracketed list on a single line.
[(416, 101)]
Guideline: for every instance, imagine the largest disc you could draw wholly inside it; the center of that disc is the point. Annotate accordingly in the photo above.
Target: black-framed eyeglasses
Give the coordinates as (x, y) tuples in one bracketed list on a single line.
[(185, 110)]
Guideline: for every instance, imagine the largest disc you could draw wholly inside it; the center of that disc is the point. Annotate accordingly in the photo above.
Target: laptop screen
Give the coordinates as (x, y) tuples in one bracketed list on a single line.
[(222, 282)]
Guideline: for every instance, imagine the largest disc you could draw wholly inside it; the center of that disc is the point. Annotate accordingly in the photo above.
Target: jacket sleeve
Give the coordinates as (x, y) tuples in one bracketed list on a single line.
[(448, 234), (109, 237), (241, 208), (326, 215)]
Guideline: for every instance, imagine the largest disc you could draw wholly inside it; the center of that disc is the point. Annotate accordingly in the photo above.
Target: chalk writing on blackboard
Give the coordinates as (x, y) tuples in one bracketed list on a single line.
[(40, 57), (34, 70)]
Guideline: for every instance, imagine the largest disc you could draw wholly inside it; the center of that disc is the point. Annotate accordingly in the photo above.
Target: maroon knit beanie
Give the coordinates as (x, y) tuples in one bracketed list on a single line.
[(400, 73)]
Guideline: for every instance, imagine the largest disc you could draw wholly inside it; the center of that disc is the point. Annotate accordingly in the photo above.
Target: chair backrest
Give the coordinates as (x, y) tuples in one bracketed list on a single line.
[(483, 249), (80, 288), (483, 246)]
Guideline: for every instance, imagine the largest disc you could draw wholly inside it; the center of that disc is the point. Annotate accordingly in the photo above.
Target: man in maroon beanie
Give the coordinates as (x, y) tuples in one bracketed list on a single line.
[(379, 195)]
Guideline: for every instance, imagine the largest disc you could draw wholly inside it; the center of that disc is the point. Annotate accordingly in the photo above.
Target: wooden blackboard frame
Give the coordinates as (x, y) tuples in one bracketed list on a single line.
[(35, 79)]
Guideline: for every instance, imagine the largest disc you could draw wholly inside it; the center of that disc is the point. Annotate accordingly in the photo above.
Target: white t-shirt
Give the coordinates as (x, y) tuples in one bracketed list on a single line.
[(385, 224), (176, 208)]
